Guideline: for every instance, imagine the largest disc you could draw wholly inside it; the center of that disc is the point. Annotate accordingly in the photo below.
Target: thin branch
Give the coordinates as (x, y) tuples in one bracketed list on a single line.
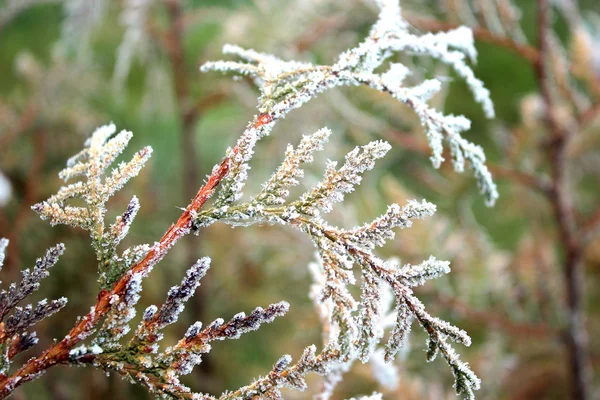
[(562, 203), (188, 117), (59, 352), (528, 180), (205, 103)]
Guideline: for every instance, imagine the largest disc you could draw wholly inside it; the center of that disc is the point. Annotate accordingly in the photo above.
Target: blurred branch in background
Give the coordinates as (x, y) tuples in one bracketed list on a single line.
[(13, 8), (571, 239), (558, 189)]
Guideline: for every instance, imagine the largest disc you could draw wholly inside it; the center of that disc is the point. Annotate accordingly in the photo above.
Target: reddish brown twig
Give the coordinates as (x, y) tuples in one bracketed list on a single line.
[(59, 352), (173, 46), (188, 114)]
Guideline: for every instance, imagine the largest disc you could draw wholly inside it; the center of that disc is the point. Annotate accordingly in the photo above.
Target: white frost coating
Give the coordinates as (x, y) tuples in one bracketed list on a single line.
[(5, 190), (373, 396), (3, 245), (95, 349), (338, 182), (352, 330), (286, 85), (417, 275), (91, 164), (78, 351), (386, 373), (275, 190), (379, 231)]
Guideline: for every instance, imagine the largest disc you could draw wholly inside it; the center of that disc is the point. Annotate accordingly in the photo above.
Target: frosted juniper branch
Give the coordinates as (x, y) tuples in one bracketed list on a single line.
[(339, 249), (286, 85), (356, 244), (284, 374), (59, 352), (356, 330), (142, 363)]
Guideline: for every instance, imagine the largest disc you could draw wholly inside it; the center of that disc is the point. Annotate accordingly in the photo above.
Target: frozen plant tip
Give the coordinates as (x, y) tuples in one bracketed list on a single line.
[(95, 189)]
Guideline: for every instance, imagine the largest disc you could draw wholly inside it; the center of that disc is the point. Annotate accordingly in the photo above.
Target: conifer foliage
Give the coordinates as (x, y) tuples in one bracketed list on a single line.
[(356, 327)]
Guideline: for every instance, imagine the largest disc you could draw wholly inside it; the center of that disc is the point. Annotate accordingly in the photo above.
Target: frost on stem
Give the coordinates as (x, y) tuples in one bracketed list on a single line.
[(16, 320), (3, 246), (156, 319), (140, 358), (285, 375), (187, 353), (286, 85), (91, 165), (337, 182), (352, 328), (275, 190)]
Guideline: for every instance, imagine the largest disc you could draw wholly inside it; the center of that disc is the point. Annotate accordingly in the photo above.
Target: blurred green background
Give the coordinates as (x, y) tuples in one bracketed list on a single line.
[(68, 67)]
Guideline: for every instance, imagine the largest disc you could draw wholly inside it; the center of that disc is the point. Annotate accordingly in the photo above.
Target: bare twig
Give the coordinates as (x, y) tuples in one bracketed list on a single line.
[(562, 204)]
